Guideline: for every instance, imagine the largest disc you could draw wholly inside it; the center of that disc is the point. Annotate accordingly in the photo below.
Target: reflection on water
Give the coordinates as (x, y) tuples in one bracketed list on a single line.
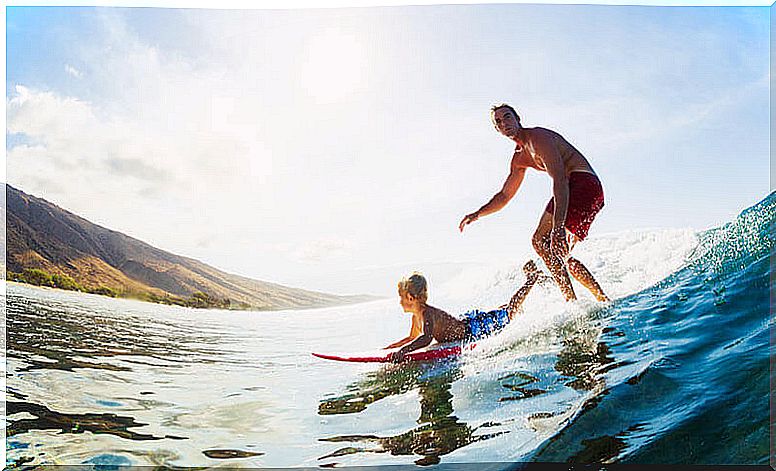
[(53, 343), (180, 391), (47, 419), (229, 454), (583, 361), (516, 383), (439, 432), (605, 448), (56, 336), (583, 365), (599, 450), (387, 381), (106, 382), (583, 358)]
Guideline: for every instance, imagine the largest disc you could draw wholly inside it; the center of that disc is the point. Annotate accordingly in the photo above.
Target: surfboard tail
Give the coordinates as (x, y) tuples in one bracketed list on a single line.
[(352, 359)]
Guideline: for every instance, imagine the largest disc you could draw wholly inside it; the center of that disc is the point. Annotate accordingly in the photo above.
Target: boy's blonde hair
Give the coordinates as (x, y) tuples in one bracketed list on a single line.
[(415, 285)]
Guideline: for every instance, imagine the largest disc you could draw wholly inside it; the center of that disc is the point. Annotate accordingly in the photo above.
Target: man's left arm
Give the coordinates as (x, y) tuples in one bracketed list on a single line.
[(556, 169)]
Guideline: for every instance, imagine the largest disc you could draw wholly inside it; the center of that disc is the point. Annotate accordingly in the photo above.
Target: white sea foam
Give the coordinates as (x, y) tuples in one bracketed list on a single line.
[(624, 263)]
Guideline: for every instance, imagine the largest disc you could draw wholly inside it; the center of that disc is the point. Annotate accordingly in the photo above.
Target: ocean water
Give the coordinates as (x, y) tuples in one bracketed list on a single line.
[(674, 371)]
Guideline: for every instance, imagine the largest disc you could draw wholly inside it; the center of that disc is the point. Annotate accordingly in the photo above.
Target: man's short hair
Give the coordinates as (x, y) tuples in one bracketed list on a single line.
[(494, 108), (415, 285)]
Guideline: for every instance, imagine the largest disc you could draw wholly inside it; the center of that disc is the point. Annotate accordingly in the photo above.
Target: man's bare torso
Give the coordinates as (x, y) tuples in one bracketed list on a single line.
[(526, 156)]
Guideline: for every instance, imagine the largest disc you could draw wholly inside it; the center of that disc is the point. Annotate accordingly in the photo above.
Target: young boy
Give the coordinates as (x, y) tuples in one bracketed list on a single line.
[(430, 323)]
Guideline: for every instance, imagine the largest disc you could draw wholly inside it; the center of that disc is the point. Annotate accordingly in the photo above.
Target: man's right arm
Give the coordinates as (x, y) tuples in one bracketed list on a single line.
[(500, 199), (509, 189)]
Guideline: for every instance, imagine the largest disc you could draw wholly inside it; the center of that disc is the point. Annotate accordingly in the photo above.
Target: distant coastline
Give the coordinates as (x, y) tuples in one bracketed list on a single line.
[(49, 246), (42, 279)]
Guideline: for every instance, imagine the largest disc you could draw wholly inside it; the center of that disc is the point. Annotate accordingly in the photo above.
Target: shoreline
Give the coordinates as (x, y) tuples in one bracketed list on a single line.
[(367, 299)]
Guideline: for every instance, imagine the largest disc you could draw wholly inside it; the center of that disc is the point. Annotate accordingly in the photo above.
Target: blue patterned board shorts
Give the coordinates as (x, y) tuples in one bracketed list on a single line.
[(481, 324)]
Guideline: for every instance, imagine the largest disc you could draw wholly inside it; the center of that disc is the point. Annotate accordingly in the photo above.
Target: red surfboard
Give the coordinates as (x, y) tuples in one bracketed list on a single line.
[(434, 353)]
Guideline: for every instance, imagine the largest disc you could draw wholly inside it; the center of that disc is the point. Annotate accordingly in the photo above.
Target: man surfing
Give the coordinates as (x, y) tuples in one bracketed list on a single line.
[(577, 197)]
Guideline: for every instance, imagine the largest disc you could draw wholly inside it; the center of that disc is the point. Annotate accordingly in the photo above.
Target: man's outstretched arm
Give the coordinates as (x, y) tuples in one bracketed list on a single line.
[(500, 199)]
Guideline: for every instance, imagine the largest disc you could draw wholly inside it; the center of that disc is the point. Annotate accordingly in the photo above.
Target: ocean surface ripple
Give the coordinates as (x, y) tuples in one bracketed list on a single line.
[(674, 371), (696, 390)]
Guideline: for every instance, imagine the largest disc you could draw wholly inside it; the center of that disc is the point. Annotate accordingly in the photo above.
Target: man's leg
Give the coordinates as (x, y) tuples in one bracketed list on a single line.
[(583, 275), (557, 266)]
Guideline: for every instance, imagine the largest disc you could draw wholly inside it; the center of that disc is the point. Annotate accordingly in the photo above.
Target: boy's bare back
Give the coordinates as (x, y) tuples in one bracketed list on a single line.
[(435, 324), (442, 326)]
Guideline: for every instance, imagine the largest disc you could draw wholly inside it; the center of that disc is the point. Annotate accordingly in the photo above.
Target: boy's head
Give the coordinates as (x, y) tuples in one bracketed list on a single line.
[(413, 288)]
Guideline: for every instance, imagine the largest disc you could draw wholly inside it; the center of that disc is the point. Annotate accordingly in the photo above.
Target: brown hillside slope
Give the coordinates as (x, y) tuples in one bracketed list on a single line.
[(42, 235)]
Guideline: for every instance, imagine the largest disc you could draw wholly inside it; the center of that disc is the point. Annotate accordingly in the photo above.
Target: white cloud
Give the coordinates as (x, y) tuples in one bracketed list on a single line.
[(44, 114), (74, 142), (213, 141), (72, 71), (168, 144), (320, 250)]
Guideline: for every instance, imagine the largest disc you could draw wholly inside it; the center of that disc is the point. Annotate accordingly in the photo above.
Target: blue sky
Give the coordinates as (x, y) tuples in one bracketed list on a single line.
[(289, 145)]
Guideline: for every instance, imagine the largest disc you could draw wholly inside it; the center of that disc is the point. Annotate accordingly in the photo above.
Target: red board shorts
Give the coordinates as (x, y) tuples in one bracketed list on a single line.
[(586, 198)]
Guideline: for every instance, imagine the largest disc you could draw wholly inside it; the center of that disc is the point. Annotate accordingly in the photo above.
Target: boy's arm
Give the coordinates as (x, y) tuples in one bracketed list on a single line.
[(399, 343), (415, 331), (419, 342)]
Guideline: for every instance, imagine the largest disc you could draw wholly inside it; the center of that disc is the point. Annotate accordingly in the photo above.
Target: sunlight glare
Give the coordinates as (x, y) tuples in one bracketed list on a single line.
[(334, 66)]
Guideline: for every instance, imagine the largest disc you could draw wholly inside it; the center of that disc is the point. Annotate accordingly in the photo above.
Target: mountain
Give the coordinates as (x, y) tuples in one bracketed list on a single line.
[(47, 245)]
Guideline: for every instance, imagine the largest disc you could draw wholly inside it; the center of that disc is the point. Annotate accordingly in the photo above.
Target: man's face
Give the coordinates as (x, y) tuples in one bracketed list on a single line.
[(506, 122)]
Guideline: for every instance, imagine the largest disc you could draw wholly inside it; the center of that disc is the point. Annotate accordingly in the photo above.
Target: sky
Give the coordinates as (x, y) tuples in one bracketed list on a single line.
[(316, 147)]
